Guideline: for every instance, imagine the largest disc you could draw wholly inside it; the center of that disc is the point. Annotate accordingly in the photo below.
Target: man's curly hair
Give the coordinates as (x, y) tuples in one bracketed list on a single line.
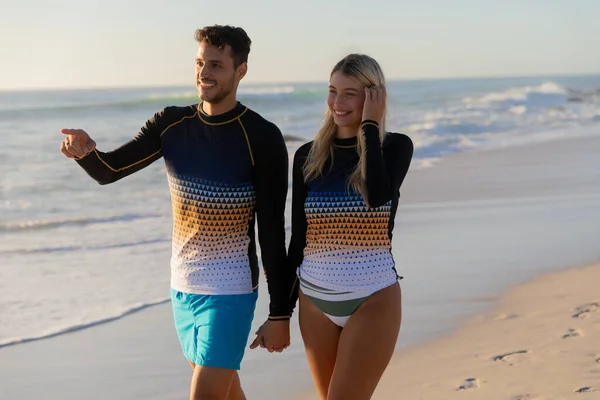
[(223, 35)]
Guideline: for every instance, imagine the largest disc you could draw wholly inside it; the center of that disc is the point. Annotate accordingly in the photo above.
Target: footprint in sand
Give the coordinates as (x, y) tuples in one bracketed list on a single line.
[(587, 389), (470, 384), (571, 333), (585, 310), (501, 317), (509, 357)]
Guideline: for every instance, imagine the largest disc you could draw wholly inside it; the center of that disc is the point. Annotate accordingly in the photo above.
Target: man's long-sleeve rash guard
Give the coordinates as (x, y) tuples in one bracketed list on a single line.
[(223, 171)]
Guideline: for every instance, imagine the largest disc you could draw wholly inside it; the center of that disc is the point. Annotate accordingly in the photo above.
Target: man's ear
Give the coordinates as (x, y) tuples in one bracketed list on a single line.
[(241, 70)]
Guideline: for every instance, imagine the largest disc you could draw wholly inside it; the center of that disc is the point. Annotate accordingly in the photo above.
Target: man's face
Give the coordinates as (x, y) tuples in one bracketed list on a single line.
[(216, 76)]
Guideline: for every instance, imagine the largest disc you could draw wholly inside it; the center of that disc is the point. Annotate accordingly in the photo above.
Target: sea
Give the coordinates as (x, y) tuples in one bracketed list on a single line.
[(74, 254)]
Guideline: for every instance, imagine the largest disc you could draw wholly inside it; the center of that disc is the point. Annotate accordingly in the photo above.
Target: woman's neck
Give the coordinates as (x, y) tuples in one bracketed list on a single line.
[(346, 132)]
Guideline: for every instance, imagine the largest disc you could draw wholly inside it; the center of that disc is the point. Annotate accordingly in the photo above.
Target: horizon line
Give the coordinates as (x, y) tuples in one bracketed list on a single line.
[(291, 82)]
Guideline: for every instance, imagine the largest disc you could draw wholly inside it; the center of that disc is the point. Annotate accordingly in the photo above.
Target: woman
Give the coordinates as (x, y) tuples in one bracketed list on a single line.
[(345, 195)]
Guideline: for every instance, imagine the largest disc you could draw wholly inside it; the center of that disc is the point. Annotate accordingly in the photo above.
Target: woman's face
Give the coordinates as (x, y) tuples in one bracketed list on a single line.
[(346, 99)]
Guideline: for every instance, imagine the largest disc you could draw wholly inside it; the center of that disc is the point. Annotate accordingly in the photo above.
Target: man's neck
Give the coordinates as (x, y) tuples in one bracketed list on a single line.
[(219, 108)]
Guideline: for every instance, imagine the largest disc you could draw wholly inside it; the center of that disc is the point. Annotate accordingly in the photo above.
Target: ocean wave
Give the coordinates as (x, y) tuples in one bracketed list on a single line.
[(60, 249), (29, 225), (516, 112), (157, 98), (546, 95), (81, 326), (266, 90)]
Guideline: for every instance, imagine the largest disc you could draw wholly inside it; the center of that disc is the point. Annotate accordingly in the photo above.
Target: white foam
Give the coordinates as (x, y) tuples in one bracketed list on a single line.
[(173, 95), (496, 117), (270, 90), (54, 223), (544, 95), (518, 110), (422, 163), (56, 331)]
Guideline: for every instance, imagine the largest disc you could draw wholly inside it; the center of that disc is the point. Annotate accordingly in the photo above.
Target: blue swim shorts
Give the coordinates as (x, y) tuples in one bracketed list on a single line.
[(213, 330)]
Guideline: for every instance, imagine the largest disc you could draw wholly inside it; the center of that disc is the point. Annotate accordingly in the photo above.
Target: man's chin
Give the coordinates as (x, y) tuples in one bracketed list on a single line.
[(209, 99)]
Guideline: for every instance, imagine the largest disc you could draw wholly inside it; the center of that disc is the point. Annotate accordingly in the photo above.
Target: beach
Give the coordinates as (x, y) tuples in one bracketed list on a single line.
[(541, 341), (497, 244)]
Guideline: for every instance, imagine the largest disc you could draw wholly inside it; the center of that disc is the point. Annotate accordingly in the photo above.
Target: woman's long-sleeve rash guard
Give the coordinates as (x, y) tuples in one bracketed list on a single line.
[(341, 241)]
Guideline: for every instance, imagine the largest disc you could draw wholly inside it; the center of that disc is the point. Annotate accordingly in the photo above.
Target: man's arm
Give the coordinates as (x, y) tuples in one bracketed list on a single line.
[(271, 177), (108, 167)]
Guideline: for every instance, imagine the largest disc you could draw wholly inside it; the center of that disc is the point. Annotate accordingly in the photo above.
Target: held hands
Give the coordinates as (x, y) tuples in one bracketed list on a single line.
[(273, 336), (77, 144), (374, 103)]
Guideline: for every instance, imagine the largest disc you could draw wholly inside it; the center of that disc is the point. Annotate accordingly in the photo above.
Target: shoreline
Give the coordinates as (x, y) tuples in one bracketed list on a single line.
[(409, 202)]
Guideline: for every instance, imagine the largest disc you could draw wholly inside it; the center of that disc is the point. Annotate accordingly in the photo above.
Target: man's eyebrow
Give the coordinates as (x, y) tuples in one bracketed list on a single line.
[(213, 61)]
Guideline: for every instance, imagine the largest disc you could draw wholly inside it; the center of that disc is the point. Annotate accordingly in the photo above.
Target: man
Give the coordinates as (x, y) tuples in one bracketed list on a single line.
[(226, 165)]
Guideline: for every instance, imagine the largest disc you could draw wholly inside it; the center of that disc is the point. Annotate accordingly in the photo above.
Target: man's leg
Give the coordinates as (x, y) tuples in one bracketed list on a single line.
[(235, 391), (209, 383), (235, 388)]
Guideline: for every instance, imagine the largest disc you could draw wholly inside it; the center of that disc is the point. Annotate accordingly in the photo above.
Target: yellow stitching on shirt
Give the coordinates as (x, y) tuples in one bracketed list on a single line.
[(293, 286), (247, 140), (124, 168), (144, 159), (218, 123), (369, 123), (175, 123)]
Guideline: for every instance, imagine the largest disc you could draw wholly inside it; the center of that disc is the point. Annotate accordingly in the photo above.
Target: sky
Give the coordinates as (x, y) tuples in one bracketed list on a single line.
[(111, 43)]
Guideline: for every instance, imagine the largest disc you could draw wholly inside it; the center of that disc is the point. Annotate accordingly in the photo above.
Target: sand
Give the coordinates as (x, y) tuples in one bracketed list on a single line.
[(541, 342)]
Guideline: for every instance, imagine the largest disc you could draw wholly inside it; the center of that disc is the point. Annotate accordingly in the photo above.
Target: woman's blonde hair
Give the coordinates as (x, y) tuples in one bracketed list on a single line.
[(367, 72)]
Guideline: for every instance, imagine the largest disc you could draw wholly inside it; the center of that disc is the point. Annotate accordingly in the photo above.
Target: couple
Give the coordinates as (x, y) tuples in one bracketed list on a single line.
[(226, 166)]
